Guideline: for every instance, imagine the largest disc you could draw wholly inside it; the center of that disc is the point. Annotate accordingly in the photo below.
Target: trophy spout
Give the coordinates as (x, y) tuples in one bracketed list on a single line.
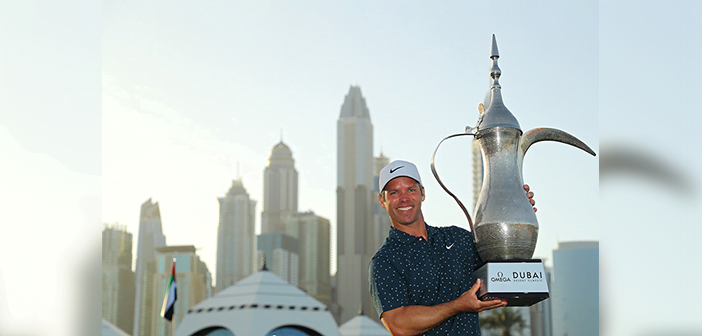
[(551, 134)]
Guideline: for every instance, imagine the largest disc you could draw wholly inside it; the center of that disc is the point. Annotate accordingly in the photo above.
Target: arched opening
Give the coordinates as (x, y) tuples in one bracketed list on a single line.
[(293, 330), (214, 331)]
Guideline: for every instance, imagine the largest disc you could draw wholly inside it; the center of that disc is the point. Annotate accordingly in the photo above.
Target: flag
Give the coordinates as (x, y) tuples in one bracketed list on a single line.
[(171, 296)]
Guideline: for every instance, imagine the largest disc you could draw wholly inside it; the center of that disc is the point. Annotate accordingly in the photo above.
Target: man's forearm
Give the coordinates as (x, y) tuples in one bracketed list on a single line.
[(413, 320)]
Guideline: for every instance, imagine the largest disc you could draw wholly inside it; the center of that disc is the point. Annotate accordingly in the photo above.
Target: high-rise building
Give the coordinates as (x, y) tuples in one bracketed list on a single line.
[(279, 190), (281, 256), (575, 292), (540, 313), (150, 237), (118, 280), (381, 220), (313, 237), (354, 205), (194, 284), (236, 250)]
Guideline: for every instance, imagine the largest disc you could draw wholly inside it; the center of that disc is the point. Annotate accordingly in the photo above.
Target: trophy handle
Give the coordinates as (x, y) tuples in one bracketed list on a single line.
[(436, 175)]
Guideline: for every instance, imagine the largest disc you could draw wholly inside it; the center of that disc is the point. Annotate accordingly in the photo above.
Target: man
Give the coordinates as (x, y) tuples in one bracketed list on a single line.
[(420, 279)]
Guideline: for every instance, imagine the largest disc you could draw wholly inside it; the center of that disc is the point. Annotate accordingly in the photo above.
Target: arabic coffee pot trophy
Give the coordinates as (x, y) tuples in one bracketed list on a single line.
[(505, 228)]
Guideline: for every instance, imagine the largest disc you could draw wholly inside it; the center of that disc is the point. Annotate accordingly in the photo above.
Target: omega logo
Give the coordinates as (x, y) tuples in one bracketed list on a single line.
[(500, 278)]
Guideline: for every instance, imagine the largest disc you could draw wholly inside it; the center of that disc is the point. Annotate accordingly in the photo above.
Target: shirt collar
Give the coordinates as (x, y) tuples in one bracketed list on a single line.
[(407, 238)]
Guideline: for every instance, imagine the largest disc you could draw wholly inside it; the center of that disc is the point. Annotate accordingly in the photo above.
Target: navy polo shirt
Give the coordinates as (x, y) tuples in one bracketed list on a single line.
[(408, 270)]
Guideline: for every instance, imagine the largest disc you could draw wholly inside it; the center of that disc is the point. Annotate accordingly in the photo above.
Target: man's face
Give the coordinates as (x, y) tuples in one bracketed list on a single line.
[(403, 201)]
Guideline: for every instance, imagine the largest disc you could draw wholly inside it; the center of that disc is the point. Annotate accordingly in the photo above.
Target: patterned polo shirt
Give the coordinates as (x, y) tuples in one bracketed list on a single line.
[(408, 270)]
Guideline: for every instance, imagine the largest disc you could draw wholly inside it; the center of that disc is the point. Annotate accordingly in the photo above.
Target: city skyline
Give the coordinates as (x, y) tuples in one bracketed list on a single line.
[(201, 142), (209, 84)]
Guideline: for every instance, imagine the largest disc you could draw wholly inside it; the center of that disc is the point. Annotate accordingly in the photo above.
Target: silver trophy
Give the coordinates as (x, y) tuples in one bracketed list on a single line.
[(505, 228)]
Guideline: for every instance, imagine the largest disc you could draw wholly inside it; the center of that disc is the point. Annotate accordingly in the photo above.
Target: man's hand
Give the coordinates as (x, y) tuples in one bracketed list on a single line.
[(469, 301), (530, 195), (417, 319)]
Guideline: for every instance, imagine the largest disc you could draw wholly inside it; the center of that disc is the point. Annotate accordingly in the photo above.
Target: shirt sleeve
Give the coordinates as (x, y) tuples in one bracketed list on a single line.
[(387, 286)]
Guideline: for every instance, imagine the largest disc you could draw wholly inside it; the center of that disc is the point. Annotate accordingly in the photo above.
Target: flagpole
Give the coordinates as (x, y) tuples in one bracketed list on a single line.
[(173, 320)]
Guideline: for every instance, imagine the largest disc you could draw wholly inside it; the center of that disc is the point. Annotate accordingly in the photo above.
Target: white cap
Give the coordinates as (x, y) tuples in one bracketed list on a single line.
[(398, 168)]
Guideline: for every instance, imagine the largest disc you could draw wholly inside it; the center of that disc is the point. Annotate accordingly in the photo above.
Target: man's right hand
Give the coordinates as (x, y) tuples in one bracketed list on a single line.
[(469, 301)]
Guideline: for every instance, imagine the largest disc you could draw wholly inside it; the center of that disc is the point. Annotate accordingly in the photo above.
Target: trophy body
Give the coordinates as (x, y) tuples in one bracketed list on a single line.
[(505, 224), (505, 229)]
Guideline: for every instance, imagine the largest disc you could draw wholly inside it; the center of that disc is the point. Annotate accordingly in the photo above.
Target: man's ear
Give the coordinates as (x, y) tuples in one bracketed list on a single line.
[(381, 200), (423, 194)]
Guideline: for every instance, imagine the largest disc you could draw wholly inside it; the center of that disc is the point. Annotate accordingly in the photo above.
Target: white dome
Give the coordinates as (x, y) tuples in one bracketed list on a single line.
[(256, 305), (362, 325)]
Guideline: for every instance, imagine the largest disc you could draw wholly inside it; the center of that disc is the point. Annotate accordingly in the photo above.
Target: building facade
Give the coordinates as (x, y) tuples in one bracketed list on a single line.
[(236, 238), (575, 292), (150, 237), (118, 279), (281, 255), (280, 190), (313, 234), (354, 195), (194, 284), (381, 220), (540, 313)]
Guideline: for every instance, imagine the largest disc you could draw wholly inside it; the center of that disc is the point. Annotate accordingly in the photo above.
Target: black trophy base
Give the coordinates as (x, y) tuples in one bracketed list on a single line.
[(515, 299), (519, 282)]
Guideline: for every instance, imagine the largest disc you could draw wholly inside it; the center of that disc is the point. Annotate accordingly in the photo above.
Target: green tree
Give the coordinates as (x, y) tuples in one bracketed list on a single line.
[(505, 320)]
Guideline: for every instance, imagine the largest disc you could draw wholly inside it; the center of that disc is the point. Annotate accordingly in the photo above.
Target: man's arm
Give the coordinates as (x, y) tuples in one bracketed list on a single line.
[(413, 320)]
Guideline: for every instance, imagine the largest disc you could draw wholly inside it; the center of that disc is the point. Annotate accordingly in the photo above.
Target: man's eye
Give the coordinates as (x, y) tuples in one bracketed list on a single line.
[(392, 193)]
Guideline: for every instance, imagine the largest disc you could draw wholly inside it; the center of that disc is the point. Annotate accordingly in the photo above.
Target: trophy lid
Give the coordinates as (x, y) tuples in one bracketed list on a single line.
[(497, 113)]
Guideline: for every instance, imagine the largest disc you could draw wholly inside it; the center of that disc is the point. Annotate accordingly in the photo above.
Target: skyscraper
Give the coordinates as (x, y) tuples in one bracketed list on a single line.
[(381, 220), (281, 256), (150, 237), (540, 313), (236, 242), (313, 237), (354, 205), (279, 190), (118, 280), (575, 292), (194, 284)]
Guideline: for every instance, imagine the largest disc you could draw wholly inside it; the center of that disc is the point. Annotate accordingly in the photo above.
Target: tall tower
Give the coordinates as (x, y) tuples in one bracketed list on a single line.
[(279, 190), (575, 292), (281, 256), (313, 236), (150, 237), (118, 281), (236, 247), (381, 220), (354, 205)]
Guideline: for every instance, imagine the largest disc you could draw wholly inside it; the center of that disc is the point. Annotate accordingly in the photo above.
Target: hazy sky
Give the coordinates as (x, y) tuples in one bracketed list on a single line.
[(190, 91), (187, 90)]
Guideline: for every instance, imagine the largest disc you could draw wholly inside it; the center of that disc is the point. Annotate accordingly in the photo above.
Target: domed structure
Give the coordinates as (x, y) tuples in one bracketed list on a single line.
[(260, 305), (362, 325), (281, 155), (109, 329)]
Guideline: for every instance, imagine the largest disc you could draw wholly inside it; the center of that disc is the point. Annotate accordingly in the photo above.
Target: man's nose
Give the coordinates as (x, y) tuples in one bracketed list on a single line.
[(404, 195)]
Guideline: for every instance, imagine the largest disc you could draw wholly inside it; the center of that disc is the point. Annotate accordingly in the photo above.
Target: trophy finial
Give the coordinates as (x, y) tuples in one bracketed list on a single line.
[(497, 113), (495, 53), (495, 71)]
